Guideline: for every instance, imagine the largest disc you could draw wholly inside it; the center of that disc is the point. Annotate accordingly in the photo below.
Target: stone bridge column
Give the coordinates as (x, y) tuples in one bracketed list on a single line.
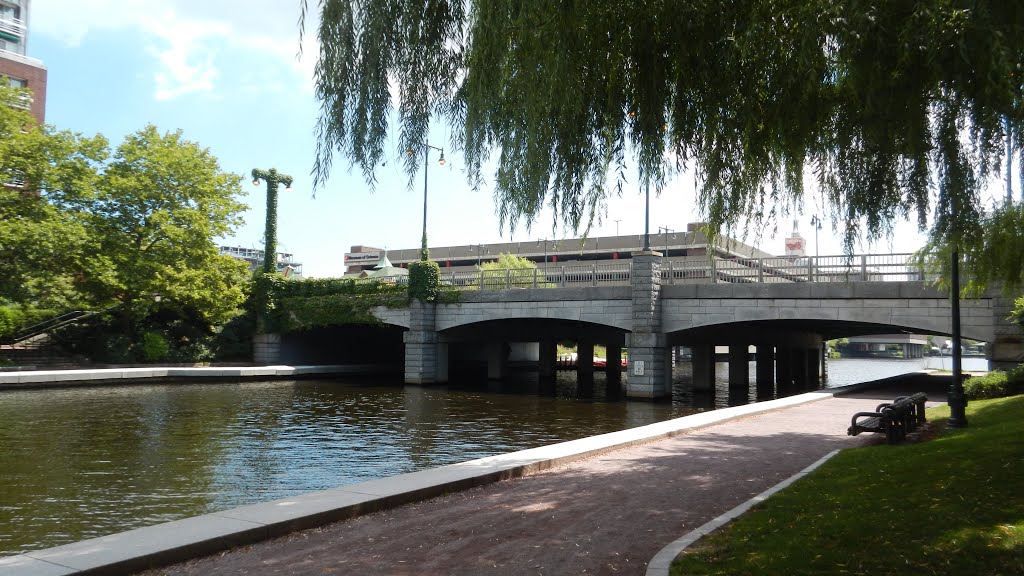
[(547, 362), (422, 348), (1007, 349), (702, 358), (739, 366), (765, 370), (585, 368), (649, 375), (613, 368), (266, 349)]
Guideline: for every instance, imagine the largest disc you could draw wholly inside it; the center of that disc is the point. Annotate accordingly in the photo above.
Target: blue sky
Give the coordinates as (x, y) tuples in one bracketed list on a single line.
[(230, 80)]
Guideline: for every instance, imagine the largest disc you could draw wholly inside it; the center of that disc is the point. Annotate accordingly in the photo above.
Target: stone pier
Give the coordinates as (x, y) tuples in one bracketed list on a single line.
[(649, 373)]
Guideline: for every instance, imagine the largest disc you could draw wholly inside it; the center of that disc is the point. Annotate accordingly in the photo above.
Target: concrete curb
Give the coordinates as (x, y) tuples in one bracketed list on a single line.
[(31, 379), (171, 542), (662, 561)]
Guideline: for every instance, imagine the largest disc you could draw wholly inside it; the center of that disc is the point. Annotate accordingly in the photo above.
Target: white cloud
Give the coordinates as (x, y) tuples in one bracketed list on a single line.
[(186, 37)]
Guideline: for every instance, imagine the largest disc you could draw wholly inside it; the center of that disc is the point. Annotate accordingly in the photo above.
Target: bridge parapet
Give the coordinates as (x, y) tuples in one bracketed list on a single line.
[(782, 270)]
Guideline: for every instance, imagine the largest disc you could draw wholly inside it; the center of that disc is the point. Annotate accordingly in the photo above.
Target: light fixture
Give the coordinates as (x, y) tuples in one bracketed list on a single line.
[(255, 182), (440, 161)]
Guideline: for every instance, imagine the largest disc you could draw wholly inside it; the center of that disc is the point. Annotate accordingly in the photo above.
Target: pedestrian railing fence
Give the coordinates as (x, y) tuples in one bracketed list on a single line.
[(693, 270)]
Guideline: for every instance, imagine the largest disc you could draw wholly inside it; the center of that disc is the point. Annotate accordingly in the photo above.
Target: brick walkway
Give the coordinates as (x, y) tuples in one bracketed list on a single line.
[(609, 514)]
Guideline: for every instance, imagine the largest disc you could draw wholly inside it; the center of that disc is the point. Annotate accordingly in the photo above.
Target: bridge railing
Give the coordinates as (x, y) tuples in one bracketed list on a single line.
[(570, 275), (785, 270), (699, 269)]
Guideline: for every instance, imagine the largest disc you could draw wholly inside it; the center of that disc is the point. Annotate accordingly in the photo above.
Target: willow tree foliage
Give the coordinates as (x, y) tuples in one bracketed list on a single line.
[(894, 108)]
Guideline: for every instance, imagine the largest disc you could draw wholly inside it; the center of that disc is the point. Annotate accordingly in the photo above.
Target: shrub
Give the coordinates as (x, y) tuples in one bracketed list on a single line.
[(233, 340), (285, 304), (1015, 380), (424, 281), (154, 347), (11, 319), (115, 349), (991, 385)]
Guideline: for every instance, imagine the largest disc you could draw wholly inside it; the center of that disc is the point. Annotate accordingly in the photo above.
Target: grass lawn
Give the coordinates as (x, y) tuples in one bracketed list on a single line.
[(950, 505)]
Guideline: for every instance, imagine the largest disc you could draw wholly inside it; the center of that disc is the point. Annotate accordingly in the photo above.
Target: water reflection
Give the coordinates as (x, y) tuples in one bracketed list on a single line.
[(79, 463)]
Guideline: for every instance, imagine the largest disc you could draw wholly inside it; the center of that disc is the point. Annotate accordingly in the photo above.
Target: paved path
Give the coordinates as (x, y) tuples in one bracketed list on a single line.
[(609, 514)]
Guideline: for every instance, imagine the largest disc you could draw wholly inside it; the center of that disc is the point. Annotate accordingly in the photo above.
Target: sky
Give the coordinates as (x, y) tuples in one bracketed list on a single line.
[(231, 80)]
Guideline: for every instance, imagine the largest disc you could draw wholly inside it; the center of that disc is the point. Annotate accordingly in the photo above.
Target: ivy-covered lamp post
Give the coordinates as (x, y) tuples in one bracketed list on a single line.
[(424, 254), (272, 177)]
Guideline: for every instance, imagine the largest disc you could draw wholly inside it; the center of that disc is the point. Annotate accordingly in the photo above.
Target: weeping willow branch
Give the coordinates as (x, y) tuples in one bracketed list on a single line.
[(890, 105)]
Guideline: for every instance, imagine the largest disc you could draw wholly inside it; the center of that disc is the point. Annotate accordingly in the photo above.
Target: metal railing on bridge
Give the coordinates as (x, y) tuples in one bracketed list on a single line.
[(785, 270), (694, 270), (570, 275)]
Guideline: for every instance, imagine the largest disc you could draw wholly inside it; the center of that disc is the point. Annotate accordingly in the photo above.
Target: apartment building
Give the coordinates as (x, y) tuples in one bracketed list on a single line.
[(16, 67)]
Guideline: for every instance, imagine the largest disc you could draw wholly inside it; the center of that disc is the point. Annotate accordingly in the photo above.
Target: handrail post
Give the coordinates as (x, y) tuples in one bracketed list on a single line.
[(535, 277), (481, 279), (594, 271), (864, 268), (563, 276), (714, 271), (508, 279), (671, 272), (760, 270), (810, 268)]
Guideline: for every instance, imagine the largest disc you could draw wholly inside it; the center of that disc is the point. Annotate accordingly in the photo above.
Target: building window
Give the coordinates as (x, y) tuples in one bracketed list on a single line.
[(10, 11), (16, 82)]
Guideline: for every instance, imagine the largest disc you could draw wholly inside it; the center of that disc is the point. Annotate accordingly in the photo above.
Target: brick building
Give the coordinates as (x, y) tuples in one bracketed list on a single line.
[(16, 67)]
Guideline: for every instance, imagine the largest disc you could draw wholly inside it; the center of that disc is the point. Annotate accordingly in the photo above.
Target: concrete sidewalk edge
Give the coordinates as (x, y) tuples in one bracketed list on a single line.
[(662, 561)]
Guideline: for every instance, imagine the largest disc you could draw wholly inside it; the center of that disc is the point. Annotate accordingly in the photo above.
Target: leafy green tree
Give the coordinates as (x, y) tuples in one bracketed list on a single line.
[(164, 200), (896, 108), (493, 277), (507, 261), (45, 176)]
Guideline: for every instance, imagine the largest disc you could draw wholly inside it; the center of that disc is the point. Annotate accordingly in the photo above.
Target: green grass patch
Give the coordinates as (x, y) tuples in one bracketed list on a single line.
[(952, 505)]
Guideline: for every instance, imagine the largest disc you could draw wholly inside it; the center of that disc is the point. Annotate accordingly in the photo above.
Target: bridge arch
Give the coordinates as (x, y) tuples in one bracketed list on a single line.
[(830, 317), (544, 305), (392, 316)]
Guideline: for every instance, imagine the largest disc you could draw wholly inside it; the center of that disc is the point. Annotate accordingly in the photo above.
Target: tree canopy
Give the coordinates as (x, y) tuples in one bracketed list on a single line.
[(86, 227), (164, 200), (45, 174), (894, 108)]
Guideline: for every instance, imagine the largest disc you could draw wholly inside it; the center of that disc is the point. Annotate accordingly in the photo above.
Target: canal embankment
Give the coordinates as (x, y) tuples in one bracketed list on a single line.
[(134, 375)]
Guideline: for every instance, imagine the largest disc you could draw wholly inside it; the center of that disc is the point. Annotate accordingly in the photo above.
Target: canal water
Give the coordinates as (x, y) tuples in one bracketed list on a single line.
[(80, 463)]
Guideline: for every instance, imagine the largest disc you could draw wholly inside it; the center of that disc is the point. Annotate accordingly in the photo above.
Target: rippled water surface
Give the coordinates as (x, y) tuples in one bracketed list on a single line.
[(80, 463)]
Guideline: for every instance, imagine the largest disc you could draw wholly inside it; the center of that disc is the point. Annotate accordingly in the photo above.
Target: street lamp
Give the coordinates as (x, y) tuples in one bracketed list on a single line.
[(957, 399), (1009, 161), (666, 230), (424, 255), (816, 222), (647, 215), (272, 178), (545, 241)]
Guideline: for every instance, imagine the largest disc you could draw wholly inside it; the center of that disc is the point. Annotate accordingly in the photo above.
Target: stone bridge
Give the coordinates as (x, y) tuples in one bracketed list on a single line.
[(785, 308), (787, 322)]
